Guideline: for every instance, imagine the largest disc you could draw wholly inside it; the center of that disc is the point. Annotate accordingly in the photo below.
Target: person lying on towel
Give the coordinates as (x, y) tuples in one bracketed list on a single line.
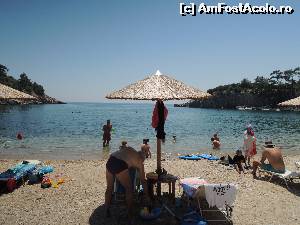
[(274, 156), (117, 166)]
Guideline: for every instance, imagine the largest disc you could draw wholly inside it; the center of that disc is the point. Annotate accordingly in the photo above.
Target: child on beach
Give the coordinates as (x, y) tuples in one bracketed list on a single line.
[(238, 159), (249, 145)]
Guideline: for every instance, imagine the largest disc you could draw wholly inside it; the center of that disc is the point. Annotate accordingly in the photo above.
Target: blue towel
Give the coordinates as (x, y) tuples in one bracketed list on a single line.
[(209, 157), (44, 170), (17, 172), (192, 218)]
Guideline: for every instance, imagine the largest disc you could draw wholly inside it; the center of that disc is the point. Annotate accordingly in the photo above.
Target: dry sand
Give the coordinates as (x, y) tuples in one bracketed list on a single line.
[(80, 199)]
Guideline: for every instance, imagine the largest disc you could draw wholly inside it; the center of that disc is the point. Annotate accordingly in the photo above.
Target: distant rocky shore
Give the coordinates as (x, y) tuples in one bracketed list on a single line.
[(236, 101), (39, 100)]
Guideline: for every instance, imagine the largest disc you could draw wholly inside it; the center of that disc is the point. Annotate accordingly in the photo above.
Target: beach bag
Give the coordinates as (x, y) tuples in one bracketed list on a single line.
[(11, 184), (46, 182)]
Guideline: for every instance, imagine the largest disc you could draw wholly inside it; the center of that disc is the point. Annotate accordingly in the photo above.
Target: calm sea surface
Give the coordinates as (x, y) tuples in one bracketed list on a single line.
[(74, 130)]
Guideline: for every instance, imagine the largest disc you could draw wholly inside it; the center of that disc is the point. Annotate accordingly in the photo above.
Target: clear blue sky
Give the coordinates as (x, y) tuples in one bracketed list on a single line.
[(81, 50)]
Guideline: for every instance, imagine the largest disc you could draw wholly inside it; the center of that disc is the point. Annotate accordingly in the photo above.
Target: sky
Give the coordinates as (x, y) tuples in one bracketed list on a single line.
[(82, 50)]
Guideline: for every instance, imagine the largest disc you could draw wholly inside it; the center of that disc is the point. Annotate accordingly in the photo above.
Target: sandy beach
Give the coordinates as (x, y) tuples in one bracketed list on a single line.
[(80, 199)]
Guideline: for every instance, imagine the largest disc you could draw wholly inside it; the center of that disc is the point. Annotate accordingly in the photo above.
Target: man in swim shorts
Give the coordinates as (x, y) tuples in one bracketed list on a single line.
[(117, 166), (274, 156)]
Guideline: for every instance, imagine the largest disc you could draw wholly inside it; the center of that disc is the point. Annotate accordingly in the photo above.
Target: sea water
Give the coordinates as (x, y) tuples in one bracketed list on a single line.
[(74, 130)]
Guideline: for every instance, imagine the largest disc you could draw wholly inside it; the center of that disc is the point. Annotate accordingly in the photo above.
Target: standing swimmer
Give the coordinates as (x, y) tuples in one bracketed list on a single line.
[(107, 133)]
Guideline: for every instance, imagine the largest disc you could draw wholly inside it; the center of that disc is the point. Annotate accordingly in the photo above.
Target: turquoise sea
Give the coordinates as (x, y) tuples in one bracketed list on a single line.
[(73, 130)]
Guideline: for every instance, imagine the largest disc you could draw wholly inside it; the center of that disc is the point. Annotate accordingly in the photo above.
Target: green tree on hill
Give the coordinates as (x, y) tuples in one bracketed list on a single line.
[(22, 84), (277, 87)]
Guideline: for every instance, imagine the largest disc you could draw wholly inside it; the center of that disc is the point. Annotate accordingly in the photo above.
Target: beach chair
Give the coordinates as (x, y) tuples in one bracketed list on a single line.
[(203, 193), (287, 176), (119, 190)]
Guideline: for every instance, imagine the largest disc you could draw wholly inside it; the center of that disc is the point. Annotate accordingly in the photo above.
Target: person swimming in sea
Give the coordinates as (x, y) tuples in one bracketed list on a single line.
[(215, 140)]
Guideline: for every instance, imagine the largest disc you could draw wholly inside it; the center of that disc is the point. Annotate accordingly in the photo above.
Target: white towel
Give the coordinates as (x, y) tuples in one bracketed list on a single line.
[(297, 164), (220, 194)]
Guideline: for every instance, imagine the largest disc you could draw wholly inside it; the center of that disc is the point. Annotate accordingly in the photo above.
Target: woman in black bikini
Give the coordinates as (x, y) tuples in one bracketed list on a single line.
[(117, 166)]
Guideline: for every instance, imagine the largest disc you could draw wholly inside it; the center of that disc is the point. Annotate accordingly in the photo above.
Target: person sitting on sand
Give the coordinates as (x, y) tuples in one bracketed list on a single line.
[(238, 159), (274, 156), (117, 166), (215, 141), (106, 133)]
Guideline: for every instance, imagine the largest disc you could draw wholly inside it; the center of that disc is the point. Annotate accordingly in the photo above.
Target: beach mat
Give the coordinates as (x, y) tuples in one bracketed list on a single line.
[(208, 157), (190, 157), (17, 172)]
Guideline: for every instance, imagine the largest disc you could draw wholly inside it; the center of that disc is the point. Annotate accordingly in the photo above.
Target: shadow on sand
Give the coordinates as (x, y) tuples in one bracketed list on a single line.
[(293, 187), (119, 217)]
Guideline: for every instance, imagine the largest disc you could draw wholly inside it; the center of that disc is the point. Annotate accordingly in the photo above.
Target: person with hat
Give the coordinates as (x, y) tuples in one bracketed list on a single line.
[(274, 156)]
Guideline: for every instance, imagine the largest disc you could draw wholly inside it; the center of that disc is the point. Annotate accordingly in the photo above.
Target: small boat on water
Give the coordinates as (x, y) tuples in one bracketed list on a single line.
[(240, 108), (244, 108)]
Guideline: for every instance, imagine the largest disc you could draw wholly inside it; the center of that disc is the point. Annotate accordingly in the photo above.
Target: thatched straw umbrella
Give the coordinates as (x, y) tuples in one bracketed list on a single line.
[(158, 87), (291, 102), (8, 93)]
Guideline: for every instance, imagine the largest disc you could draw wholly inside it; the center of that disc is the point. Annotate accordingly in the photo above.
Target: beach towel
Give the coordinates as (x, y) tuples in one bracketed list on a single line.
[(155, 117), (191, 184), (208, 157), (190, 157), (32, 161), (159, 116), (220, 194), (193, 218), (44, 170), (17, 172)]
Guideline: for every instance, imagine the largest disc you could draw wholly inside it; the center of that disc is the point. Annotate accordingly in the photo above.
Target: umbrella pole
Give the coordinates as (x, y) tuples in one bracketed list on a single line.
[(158, 164)]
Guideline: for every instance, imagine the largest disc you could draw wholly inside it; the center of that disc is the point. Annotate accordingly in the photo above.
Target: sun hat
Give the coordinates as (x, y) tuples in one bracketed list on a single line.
[(269, 144)]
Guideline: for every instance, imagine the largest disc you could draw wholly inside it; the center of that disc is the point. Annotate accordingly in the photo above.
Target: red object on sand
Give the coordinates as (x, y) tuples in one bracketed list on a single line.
[(11, 184)]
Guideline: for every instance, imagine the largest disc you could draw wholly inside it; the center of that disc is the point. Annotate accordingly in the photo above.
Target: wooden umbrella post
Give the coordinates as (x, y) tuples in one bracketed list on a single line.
[(158, 155), (158, 165)]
